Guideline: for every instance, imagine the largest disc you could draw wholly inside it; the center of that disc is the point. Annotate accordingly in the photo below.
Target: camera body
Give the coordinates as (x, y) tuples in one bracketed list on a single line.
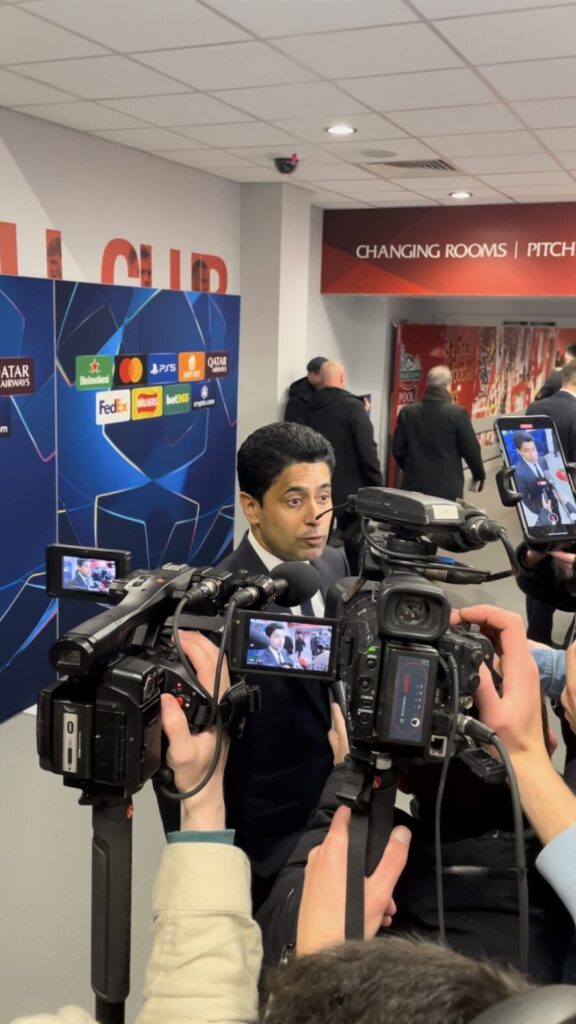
[(286, 164)]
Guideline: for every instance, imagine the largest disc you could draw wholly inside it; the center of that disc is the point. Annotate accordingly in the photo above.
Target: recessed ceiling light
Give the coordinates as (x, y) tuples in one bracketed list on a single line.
[(460, 195), (341, 129)]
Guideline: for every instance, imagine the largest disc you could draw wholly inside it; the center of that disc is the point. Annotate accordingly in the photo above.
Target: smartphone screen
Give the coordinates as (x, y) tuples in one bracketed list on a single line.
[(532, 447)]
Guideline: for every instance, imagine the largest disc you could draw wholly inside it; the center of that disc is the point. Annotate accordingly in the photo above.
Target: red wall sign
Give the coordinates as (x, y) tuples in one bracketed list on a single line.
[(478, 250)]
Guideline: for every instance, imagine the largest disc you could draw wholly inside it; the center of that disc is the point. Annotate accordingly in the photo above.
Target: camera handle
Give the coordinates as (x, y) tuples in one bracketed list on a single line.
[(111, 903), (369, 789)]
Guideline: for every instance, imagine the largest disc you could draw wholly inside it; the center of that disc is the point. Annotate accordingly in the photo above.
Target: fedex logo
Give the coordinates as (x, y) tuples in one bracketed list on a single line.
[(112, 406)]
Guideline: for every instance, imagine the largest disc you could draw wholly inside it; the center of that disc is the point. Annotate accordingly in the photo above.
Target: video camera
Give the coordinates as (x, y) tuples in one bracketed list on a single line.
[(386, 636)]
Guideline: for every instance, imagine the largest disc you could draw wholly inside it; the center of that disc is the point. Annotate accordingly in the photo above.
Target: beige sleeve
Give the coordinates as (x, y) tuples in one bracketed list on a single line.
[(207, 951)]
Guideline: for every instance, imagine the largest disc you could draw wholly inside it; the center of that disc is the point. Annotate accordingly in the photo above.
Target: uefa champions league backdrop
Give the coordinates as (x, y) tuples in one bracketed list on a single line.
[(117, 430)]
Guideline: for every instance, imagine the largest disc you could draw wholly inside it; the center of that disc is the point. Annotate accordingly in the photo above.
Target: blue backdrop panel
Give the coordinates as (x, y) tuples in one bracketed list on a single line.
[(162, 488), (28, 494)]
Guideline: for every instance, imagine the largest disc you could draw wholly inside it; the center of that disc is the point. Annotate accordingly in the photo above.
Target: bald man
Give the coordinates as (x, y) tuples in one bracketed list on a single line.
[(341, 417)]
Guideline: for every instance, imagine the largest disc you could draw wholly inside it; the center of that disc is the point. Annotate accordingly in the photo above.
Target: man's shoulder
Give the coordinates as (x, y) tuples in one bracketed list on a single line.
[(333, 562), (242, 557)]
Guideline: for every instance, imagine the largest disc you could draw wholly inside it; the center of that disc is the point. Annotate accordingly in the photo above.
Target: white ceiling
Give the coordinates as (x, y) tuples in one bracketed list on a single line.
[(227, 85)]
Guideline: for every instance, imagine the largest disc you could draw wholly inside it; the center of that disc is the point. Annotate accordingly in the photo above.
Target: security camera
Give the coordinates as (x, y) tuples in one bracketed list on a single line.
[(286, 164)]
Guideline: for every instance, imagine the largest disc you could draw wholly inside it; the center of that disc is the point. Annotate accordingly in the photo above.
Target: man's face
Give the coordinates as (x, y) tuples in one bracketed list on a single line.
[(529, 451), (146, 272), (84, 570), (277, 639), (314, 378), (284, 523)]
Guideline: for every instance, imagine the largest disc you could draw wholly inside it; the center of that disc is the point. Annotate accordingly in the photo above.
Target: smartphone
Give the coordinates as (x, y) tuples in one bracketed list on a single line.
[(283, 643), (531, 446)]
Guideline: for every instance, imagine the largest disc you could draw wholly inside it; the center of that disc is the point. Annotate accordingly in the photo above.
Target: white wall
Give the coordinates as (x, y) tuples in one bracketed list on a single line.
[(92, 191)]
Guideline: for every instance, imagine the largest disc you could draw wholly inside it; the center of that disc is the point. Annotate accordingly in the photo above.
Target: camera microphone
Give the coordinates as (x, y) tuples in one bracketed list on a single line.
[(289, 584), (561, 475)]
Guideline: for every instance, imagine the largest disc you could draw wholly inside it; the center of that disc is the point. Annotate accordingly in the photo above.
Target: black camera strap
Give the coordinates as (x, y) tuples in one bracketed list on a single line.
[(357, 842)]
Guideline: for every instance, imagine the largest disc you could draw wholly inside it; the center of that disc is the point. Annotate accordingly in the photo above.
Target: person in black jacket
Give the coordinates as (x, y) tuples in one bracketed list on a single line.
[(431, 439), (560, 406), (301, 391), (341, 417)]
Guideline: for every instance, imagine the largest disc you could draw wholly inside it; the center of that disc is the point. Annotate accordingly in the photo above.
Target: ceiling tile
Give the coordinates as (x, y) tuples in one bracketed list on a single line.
[(249, 175), (264, 155), (332, 201), (100, 77), (132, 25), (87, 117), (538, 198), (370, 127), (545, 178), (506, 164), (398, 48), (457, 8), (438, 183), (544, 190), (205, 159), (409, 200), (455, 120), (558, 138), (568, 160), (547, 113), (149, 139), (393, 149), (489, 143), (365, 185), (492, 38), (268, 18), (183, 109), (542, 79), (234, 66), (281, 101), (419, 89), (229, 136), (16, 90), (23, 37), (331, 172)]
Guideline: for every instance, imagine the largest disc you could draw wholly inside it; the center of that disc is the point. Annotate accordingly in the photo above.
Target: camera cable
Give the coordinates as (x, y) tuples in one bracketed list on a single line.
[(450, 744)]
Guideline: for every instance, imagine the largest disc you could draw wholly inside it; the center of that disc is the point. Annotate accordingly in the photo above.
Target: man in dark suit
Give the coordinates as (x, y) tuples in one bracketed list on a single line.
[(275, 655), (532, 478), (560, 406), (277, 770), (82, 578), (555, 380)]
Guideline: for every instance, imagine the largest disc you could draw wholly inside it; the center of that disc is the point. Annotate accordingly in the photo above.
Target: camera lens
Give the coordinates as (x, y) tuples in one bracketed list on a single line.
[(411, 611)]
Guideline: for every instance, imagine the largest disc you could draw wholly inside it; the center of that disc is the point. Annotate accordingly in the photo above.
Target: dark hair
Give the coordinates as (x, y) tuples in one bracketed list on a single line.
[(272, 627), (570, 350), (395, 978), (81, 561), (521, 437), (269, 450), (569, 372)]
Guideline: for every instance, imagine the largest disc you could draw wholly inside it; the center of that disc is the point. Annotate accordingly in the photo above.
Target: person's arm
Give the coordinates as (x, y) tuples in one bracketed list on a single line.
[(399, 442), (469, 447), (516, 717), (365, 445), (206, 957)]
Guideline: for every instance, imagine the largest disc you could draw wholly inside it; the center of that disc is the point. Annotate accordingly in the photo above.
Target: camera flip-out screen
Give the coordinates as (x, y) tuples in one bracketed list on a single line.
[(86, 573), (288, 644)]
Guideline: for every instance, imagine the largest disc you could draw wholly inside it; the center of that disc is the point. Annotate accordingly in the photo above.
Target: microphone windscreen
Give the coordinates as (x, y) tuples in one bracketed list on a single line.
[(562, 475), (303, 581)]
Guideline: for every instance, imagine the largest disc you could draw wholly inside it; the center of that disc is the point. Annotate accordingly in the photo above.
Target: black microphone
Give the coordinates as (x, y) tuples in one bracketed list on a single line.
[(288, 585)]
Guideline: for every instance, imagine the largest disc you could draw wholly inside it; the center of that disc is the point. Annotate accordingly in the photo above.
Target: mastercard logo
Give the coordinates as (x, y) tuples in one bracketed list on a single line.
[(129, 369)]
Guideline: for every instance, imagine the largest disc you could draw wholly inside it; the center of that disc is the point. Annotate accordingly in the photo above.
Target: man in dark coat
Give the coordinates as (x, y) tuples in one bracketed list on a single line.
[(554, 381), (560, 406), (341, 417), (431, 439), (302, 390), (276, 771)]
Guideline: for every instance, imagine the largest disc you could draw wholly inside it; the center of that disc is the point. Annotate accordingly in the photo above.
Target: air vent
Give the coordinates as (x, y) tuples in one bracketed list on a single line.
[(409, 168)]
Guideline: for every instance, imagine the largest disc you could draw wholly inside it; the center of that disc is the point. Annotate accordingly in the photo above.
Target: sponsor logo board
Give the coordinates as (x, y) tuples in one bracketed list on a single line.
[(217, 364), (162, 368), (5, 417), (129, 370), (177, 398), (146, 403), (191, 366), (94, 372), (204, 395), (112, 406), (16, 376)]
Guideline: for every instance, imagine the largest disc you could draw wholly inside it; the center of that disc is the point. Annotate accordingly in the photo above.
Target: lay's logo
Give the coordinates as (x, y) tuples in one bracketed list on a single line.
[(146, 403)]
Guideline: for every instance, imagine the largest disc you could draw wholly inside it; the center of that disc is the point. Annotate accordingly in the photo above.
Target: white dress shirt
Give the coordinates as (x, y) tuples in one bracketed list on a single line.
[(271, 562)]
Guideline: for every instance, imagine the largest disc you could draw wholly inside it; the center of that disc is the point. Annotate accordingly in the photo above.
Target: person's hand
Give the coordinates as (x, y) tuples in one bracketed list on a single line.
[(564, 560), (322, 913), (516, 716), (190, 755), (568, 697), (338, 735)]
